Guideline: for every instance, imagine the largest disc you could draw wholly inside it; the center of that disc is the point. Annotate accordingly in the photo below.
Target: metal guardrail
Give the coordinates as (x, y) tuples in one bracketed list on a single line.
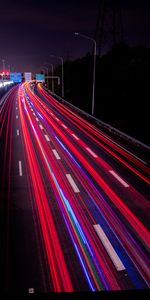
[(104, 125)]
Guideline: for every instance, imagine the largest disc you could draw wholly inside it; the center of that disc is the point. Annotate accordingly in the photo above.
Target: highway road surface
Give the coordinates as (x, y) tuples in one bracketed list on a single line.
[(74, 203)]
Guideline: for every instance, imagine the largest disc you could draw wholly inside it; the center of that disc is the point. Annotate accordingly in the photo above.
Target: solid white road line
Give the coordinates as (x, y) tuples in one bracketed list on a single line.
[(109, 248), (119, 178), (41, 126), (16, 116), (56, 154), (75, 136), (20, 168), (17, 131), (47, 138), (72, 183), (91, 152)]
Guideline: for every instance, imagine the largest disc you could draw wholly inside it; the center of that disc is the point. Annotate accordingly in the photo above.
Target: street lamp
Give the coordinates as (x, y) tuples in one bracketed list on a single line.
[(9, 68), (47, 63), (62, 72), (94, 67), (3, 61), (47, 73), (3, 76)]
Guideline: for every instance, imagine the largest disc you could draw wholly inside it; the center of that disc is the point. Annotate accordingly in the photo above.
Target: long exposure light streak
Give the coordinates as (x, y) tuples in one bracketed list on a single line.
[(73, 218), (120, 204), (45, 216), (142, 231), (90, 217), (94, 133)]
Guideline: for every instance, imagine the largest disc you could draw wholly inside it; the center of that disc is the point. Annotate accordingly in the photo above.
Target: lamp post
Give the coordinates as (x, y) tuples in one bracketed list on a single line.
[(52, 68), (3, 76), (62, 73), (94, 67), (47, 73), (3, 61), (9, 68)]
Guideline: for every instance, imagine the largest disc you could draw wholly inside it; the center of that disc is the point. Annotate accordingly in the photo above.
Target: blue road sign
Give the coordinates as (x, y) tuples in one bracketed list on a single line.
[(40, 77), (16, 77)]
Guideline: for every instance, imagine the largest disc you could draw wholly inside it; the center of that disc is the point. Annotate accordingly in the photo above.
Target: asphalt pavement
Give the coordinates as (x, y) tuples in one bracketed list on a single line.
[(75, 203)]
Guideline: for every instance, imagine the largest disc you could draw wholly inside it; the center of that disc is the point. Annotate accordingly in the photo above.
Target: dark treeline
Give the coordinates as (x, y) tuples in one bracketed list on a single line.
[(122, 92)]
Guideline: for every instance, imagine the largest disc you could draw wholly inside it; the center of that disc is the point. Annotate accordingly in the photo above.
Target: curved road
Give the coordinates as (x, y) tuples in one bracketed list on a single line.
[(75, 207)]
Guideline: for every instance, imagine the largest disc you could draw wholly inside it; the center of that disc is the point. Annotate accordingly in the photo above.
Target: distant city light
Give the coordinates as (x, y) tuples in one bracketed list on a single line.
[(4, 73), (2, 84)]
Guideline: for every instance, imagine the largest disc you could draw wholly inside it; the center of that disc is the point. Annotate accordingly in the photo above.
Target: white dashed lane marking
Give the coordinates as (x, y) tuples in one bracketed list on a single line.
[(41, 126), (63, 125), (75, 136), (91, 152), (119, 178), (72, 183), (47, 137), (56, 154), (109, 248), (20, 168)]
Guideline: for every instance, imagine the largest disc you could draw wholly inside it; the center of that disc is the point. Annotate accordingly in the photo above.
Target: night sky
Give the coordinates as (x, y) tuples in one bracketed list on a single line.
[(31, 30)]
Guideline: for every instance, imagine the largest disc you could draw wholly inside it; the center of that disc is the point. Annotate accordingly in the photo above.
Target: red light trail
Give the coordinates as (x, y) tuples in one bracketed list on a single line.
[(87, 210)]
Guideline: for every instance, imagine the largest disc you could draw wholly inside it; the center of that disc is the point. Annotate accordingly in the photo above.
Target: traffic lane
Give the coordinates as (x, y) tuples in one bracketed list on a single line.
[(136, 182), (55, 208), (94, 205), (134, 200), (80, 123), (78, 273), (66, 191), (90, 190), (32, 261), (121, 181), (134, 225), (45, 115), (43, 127), (6, 148), (22, 264), (56, 263), (134, 179)]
